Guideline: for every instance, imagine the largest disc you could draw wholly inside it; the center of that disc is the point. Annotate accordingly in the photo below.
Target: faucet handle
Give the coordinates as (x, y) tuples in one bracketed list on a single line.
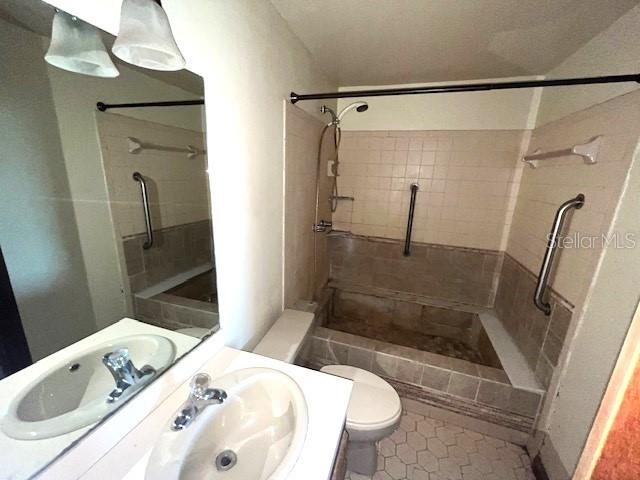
[(117, 359), (200, 385)]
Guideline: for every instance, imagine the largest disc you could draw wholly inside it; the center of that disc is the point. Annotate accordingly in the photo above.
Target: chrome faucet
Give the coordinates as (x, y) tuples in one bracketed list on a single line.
[(125, 374), (201, 397)]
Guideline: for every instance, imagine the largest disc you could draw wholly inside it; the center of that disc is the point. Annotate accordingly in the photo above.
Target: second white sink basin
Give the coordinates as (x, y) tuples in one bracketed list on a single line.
[(256, 434), (73, 393)]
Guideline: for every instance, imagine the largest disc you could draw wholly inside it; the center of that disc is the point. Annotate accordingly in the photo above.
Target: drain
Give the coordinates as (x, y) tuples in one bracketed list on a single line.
[(74, 367), (226, 460)]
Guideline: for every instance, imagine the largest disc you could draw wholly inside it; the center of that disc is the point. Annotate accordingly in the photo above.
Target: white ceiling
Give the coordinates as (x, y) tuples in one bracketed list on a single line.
[(378, 42)]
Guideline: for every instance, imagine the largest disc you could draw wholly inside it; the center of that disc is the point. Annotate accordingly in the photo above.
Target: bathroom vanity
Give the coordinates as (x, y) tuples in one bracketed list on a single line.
[(306, 407), (38, 421)]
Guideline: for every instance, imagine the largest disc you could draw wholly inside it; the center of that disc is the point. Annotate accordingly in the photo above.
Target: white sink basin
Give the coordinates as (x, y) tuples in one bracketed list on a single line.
[(263, 423), (73, 393)]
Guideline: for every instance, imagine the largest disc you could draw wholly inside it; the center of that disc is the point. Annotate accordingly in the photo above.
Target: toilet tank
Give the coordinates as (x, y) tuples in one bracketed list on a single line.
[(285, 338)]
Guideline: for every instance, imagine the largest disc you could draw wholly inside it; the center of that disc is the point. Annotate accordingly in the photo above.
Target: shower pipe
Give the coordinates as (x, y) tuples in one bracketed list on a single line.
[(467, 87), (137, 176), (412, 208), (552, 245), (103, 107)]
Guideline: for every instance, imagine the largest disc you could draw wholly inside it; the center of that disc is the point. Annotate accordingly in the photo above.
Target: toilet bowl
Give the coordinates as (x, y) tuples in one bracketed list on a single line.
[(374, 412)]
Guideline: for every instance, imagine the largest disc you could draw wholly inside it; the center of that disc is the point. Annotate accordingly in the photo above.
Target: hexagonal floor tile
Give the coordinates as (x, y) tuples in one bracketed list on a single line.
[(417, 441), (406, 453), (395, 468)]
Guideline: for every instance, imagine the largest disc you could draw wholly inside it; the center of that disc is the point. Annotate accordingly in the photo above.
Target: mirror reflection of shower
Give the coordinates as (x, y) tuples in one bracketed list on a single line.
[(334, 196)]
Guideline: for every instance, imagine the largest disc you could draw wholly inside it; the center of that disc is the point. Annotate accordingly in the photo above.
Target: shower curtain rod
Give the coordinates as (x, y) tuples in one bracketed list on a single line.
[(103, 107), (466, 87)]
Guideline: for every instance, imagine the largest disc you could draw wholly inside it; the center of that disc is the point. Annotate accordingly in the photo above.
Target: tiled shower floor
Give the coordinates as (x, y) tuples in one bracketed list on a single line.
[(408, 338), (423, 448)]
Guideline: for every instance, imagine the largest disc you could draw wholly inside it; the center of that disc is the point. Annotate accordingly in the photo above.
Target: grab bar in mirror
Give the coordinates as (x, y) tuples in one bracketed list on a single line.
[(412, 207), (137, 176), (552, 245)]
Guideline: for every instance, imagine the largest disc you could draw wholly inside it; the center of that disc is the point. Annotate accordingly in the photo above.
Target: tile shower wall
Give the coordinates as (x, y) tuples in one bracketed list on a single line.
[(302, 136), (175, 250), (466, 179), (178, 187), (542, 190), (539, 337), (449, 273)]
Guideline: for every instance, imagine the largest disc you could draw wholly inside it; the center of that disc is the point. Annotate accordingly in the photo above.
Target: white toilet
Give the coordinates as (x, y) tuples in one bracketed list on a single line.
[(374, 408), (374, 412)]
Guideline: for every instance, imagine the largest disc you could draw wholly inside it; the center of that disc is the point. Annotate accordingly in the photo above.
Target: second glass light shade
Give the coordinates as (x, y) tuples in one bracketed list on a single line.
[(145, 38)]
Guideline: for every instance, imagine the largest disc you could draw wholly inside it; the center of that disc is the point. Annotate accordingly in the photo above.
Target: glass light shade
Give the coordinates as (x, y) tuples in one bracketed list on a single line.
[(145, 38), (77, 46)]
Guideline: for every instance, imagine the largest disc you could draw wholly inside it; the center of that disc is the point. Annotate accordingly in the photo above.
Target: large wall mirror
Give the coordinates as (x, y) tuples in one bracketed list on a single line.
[(107, 272)]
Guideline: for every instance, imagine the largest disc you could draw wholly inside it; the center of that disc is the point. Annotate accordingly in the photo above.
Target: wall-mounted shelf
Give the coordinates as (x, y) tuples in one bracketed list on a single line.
[(588, 151), (136, 146)]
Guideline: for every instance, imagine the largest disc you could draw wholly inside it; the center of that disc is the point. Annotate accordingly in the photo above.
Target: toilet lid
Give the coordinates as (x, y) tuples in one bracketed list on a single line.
[(374, 403)]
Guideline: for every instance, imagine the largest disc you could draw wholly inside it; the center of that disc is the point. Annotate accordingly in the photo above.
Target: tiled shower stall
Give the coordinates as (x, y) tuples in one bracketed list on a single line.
[(453, 324)]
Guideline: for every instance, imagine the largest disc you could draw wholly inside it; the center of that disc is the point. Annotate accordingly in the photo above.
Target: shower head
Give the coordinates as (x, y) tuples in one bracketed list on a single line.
[(359, 106)]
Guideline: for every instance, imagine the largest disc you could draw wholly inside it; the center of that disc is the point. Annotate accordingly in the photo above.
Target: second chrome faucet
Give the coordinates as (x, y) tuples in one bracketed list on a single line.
[(200, 397)]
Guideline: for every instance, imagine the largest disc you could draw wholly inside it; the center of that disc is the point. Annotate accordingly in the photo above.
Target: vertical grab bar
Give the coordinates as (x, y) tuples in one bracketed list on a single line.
[(412, 208), (552, 245), (145, 205)]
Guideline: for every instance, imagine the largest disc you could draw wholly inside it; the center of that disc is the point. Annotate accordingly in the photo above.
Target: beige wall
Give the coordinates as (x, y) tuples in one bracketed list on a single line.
[(251, 61), (302, 137), (467, 185), (601, 331), (497, 110), (178, 188), (611, 296), (583, 369), (39, 231), (615, 51)]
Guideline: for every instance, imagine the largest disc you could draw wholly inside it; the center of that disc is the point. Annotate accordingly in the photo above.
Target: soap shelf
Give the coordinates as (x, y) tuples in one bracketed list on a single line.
[(588, 151)]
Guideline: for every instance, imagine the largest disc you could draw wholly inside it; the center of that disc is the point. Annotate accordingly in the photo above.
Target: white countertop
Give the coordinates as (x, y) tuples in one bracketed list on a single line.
[(19, 459), (327, 399)]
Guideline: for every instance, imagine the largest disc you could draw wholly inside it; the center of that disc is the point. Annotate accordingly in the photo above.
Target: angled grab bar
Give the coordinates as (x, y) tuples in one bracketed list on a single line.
[(552, 245), (412, 208), (137, 176)]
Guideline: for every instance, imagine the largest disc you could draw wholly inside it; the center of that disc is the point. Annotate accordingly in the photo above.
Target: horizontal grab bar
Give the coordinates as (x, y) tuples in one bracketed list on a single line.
[(552, 245)]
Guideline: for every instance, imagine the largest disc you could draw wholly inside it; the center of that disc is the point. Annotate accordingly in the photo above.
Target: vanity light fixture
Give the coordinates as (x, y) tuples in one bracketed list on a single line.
[(145, 38), (77, 46)]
